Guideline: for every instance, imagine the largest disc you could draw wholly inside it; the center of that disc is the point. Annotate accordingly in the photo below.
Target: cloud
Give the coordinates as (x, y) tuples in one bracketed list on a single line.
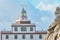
[(2, 2), (44, 18), (4, 25), (47, 6)]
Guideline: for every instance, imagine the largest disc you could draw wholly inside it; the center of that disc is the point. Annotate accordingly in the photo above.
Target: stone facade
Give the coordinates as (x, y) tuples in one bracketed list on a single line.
[(53, 32)]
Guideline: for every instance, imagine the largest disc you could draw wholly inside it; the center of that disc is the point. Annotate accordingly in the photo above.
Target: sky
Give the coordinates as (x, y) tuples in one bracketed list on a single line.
[(40, 12)]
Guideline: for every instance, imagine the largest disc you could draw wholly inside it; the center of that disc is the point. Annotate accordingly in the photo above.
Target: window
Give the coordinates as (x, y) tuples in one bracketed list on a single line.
[(7, 37), (23, 36), (31, 28), (31, 36), (15, 36), (40, 36), (23, 28), (15, 29)]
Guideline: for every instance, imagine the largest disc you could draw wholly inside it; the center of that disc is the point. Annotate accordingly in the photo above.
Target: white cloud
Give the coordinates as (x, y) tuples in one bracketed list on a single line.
[(4, 25), (44, 18), (46, 6), (2, 2)]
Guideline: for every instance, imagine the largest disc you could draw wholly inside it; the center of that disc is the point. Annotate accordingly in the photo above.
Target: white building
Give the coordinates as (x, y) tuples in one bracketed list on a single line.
[(23, 29)]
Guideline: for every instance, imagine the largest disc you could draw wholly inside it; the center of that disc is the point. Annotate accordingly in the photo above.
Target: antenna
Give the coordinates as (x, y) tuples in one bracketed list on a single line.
[(24, 6)]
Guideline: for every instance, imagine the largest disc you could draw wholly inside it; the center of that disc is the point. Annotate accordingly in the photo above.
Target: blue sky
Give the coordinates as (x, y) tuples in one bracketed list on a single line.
[(41, 12)]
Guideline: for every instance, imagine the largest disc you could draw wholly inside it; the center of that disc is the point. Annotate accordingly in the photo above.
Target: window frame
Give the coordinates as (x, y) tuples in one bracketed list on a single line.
[(31, 28), (40, 36), (7, 36), (23, 36), (31, 36), (15, 37), (15, 28), (23, 28)]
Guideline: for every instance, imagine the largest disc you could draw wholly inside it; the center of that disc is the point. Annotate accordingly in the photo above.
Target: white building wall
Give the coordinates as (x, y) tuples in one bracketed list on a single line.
[(27, 30), (35, 37)]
